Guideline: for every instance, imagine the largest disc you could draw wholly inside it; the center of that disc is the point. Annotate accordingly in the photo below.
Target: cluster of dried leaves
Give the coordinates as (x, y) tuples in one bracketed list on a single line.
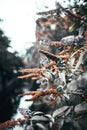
[(62, 80)]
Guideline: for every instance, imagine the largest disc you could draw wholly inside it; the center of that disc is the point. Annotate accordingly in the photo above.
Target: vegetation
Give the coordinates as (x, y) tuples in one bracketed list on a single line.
[(60, 98), (10, 63)]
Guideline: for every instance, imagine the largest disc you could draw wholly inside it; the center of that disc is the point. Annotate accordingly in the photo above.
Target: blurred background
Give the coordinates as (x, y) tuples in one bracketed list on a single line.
[(17, 49)]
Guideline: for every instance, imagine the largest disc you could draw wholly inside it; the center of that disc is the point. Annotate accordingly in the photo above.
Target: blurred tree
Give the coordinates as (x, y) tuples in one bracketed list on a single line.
[(9, 66)]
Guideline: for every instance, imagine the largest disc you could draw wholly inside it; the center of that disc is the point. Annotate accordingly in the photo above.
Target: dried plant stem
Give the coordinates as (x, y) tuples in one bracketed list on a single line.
[(52, 102), (11, 123), (52, 56), (57, 10), (64, 51), (52, 63), (77, 52), (49, 55), (56, 44), (47, 12), (74, 15), (37, 94), (30, 70), (29, 75)]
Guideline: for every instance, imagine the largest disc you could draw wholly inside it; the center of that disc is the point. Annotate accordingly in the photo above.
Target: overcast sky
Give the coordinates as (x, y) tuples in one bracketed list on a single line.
[(19, 20)]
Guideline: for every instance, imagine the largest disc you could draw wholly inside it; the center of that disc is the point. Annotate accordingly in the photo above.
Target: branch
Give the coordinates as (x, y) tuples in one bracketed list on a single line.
[(52, 56), (53, 11)]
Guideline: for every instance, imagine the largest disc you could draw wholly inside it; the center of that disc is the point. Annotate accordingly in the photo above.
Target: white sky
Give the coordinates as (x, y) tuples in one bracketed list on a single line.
[(19, 20)]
